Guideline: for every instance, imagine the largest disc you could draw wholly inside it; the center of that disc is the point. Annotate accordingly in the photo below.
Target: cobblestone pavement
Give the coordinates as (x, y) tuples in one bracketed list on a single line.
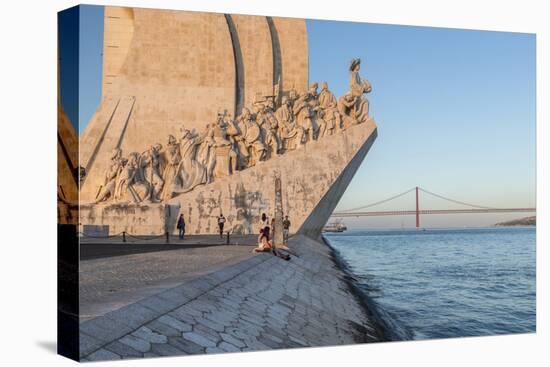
[(258, 304)]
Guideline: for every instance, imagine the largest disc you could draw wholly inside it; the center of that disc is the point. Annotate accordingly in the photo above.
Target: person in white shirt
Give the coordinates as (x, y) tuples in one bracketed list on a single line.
[(221, 223)]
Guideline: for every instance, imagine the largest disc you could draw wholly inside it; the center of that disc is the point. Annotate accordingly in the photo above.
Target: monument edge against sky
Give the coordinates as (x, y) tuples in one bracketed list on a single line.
[(156, 147)]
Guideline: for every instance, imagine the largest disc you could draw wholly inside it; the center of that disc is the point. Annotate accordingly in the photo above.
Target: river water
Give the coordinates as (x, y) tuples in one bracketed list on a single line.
[(446, 283)]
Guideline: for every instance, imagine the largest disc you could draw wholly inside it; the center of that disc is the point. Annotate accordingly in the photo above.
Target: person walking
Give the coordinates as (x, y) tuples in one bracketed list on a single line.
[(181, 226), (286, 228), (221, 223)]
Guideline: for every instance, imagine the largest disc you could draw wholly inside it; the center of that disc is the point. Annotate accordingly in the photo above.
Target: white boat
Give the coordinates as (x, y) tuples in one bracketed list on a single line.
[(335, 226)]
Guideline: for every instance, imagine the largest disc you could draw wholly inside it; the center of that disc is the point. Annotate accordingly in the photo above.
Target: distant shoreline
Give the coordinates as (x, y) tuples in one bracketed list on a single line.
[(527, 221)]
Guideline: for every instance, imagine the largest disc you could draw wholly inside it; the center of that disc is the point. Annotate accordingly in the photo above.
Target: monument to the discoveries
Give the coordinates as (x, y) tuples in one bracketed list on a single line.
[(200, 112)]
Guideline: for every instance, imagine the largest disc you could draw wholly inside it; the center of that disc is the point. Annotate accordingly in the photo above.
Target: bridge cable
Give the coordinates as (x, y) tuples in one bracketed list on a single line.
[(377, 203), (454, 201)]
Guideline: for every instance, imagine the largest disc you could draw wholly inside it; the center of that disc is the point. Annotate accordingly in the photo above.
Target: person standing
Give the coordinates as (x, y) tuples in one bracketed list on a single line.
[(286, 228), (181, 226), (221, 223)]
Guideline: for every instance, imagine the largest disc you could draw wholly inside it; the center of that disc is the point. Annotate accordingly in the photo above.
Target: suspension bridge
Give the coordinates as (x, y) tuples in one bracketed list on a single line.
[(471, 208)]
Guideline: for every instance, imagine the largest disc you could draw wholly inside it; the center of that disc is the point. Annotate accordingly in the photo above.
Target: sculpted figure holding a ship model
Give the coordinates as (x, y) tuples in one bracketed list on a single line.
[(229, 145)]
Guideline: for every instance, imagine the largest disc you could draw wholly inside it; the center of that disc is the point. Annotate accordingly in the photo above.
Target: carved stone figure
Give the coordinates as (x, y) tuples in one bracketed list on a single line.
[(329, 105), (192, 171), (131, 186), (270, 128), (206, 154), (236, 155), (304, 116), (346, 104), (172, 176), (321, 124), (252, 137), (223, 149), (107, 190), (358, 87), (151, 163), (291, 134)]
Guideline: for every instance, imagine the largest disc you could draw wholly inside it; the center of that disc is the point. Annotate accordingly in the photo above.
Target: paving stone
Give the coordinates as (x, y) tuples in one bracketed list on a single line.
[(102, 355), (211, 324), (159, 304), (186, 310), (224, 317), (136, 343), (273, 338), (298, 340), (228, 347), (199, 339), (105, 329), (232, 340), (163, 328), (149, 335), (123, 350), (185, 345), (175, 323), (88, 344), (255, 344), (133, 315), (236, 332), (183, 315), (214, 350), (269, 342), (166, 350)]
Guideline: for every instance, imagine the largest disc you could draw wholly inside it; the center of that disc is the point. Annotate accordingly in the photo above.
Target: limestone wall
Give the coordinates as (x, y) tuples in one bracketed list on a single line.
[(254, 55), (290, 38)]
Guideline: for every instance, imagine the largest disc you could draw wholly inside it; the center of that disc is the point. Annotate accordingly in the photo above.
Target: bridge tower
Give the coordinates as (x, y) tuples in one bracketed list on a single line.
[(417, 210)]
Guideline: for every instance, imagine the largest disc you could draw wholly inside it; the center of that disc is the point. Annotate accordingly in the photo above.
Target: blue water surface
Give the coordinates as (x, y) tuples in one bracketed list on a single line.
[(447, 283)]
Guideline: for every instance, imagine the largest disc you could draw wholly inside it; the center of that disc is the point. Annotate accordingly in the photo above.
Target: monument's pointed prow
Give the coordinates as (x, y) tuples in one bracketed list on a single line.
[(314, 223)]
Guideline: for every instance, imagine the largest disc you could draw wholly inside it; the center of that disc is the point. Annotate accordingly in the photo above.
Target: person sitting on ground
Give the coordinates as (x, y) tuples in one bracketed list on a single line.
[(264, 244), (264, 225)]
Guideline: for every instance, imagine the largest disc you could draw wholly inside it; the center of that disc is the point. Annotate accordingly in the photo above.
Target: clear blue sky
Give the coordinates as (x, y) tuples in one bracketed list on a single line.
[(455, 111)]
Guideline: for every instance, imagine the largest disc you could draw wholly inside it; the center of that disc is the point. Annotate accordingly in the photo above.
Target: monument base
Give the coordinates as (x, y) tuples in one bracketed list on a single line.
[(134, 219)]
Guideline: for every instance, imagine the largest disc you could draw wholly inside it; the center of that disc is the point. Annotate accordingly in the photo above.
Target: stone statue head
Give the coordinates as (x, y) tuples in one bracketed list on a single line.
[(324, 86), (285, 101), (292, 94), (156, 148), (116, 153), (245, 113), (313, 87), (355, 65), (184, 132), (258, 107), (171, 139), (133, 159)]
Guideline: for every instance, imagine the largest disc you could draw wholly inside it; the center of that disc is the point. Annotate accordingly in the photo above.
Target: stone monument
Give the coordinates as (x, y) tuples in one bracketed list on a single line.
[(200, 109)]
